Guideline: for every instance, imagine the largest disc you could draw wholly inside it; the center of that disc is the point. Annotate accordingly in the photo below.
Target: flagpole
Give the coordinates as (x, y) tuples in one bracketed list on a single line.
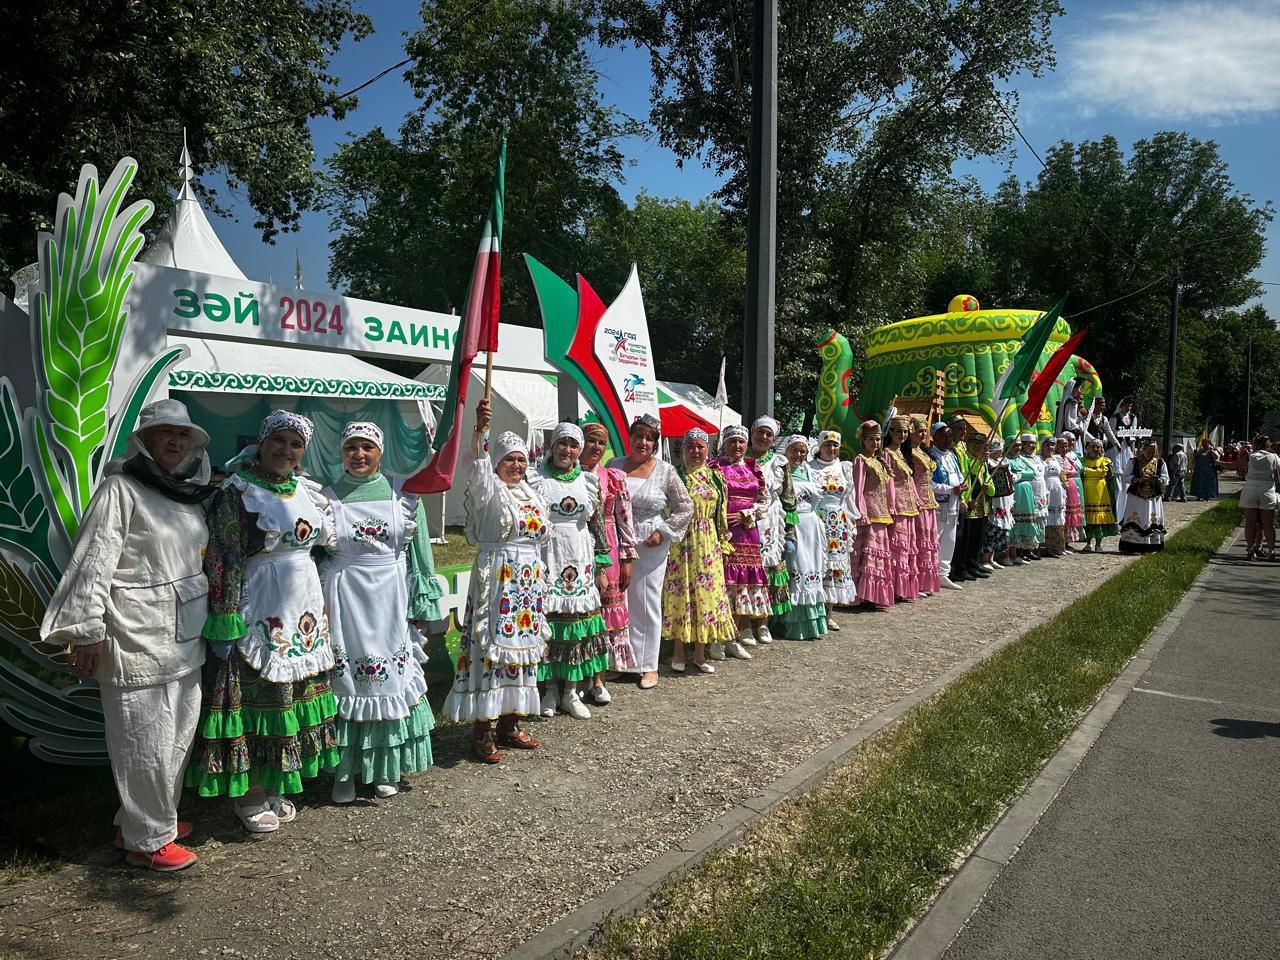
[(488, 375)]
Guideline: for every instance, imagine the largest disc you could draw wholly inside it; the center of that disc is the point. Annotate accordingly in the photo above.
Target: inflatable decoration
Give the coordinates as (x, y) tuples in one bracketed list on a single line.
[(834, 403), (971, 347)]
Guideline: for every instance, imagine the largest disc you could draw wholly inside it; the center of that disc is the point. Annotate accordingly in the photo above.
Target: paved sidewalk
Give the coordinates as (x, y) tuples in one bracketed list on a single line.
[(1165, 843)]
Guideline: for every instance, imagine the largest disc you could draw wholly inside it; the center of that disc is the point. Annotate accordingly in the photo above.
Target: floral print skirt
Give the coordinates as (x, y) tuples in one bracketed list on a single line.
[(695, 599), (254, 732)]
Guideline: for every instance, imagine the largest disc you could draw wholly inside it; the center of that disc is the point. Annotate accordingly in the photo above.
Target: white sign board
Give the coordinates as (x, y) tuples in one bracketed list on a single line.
[(204, 305)]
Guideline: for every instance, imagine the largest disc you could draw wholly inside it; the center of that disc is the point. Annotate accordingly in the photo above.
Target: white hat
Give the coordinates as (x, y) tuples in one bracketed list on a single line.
[(171, 413), (365, 431)]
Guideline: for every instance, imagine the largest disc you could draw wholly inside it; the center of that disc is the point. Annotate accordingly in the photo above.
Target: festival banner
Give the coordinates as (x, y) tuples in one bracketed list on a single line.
[(623, 349)]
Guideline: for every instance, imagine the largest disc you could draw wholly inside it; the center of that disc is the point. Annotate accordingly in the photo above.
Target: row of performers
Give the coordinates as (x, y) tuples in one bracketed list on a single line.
[(581, 569)]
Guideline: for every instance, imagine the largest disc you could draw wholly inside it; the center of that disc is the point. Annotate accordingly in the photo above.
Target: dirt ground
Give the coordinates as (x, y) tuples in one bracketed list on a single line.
[(474, 859)]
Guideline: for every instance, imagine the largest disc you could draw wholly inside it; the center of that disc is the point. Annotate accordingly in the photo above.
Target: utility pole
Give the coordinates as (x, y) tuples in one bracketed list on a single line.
[(1171, 367), (758, 339), (1248, 381)]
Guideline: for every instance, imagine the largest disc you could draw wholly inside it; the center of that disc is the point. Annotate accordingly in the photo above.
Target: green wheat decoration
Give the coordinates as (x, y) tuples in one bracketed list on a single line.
[(85, 274), (52, 454)]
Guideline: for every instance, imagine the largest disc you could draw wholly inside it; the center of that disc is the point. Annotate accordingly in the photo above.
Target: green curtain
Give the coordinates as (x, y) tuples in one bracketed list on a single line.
[(233, 420)]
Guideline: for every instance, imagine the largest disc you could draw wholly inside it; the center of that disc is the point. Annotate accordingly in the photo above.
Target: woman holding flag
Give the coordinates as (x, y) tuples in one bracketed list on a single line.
[(504, 630)]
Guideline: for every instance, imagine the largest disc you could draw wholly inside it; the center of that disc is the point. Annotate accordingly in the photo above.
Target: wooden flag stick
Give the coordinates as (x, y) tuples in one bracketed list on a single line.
[(488, 375)]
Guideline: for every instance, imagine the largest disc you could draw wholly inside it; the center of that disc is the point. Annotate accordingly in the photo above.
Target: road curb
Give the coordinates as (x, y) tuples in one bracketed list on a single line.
[(933, 934), (576, 929)]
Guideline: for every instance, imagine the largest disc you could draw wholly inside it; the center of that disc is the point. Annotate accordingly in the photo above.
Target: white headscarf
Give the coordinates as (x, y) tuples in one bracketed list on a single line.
[(769, 422), (508, 443), (566, 429)]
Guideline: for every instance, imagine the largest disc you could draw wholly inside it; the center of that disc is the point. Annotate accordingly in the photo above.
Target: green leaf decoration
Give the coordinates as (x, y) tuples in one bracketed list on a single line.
[(55, 483), (24, 518), (80, 316)]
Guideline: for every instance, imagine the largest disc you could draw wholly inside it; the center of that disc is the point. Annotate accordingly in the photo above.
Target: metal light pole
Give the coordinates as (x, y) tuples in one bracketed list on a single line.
[(1171, 368), (758, 329), (1248, 380)]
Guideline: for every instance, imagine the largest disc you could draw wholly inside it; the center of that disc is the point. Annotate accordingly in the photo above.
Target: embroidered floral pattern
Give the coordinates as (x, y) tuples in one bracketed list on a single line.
[(519, 613), (370, 528), (530, 521), (311, 633), (301, 536), (370, 669)]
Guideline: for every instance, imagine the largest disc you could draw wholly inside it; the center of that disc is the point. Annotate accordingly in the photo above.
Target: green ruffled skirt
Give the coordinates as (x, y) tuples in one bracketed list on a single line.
[(384, 751), (805, 622), (578, 649), (253, 732)]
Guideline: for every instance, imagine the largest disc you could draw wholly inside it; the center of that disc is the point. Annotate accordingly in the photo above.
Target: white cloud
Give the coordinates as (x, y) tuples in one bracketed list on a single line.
[(1179, 61)]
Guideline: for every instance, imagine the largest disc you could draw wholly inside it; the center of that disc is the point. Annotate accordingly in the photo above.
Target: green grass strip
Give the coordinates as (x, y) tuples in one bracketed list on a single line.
[(840, 872)]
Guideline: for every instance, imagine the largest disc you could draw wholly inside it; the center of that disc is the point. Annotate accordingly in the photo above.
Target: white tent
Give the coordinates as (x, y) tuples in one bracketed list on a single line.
[(187, 241)]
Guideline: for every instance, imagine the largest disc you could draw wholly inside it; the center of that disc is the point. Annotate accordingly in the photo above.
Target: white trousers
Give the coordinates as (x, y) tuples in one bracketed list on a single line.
[(149, 733), (947, 523), (644, 603)]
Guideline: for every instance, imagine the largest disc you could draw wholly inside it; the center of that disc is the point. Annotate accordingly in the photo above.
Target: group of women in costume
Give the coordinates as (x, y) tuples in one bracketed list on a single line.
[(310, 601), (301, 604)]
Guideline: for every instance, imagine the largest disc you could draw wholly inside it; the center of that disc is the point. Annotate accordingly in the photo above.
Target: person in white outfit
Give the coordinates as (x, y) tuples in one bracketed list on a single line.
[(131, 603), (662, 509), (948, 483)]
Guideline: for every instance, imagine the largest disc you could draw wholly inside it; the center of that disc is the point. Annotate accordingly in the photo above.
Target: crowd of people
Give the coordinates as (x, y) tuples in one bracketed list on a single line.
[(251, 635)]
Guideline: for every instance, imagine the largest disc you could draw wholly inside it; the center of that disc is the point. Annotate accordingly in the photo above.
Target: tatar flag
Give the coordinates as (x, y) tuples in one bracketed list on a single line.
[(477, 331), (1045, 379), (1017, 375)]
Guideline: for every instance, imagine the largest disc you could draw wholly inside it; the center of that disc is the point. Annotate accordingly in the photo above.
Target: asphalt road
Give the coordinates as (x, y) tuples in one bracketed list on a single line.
[(1165, 843)]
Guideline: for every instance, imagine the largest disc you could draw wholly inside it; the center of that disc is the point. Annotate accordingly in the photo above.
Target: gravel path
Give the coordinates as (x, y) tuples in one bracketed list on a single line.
[(475, 859)]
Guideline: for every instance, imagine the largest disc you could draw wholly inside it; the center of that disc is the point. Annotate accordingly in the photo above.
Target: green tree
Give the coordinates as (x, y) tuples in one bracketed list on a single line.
[(875, 102), (693, 269), (92, 83), (1111, 232), (408, 211)]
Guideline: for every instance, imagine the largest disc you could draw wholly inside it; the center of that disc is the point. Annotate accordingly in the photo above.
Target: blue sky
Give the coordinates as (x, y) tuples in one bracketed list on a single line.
[(1125, 68)]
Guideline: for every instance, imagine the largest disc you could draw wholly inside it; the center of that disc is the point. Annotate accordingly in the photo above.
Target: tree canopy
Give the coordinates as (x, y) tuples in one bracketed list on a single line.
[(96, 82)]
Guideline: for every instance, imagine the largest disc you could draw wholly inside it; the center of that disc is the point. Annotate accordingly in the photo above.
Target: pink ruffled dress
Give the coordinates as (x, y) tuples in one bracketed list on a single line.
[(872, 560), (926, 523), (904, 508)]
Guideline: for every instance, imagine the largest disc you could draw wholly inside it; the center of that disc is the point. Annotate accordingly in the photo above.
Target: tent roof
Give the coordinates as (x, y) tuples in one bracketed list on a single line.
[(187, 241), (226, 366)]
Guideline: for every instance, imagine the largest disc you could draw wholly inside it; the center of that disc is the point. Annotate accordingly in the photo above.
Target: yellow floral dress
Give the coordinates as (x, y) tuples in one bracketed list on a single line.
[(695, 600)]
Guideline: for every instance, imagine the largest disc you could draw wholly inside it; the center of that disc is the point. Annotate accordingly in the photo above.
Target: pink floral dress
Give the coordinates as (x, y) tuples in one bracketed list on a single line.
[(619, 529)]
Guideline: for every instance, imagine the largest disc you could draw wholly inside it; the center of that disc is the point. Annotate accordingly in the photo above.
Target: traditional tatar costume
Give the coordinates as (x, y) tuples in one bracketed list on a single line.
[(504, 629), (269, 711), (578, 547), (776, 526), (134, 584), (744, 574), (378, 580), (620, 531), (806, 556), (873, 491), (838, 513), (927, 519)]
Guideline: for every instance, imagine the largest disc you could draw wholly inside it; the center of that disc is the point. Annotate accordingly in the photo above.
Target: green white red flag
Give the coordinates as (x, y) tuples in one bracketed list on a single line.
[(477, 331), (1048, 375)]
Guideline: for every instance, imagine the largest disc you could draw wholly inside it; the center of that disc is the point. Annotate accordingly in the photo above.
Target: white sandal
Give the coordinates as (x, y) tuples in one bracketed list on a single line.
[(283, 808), (677, 667), (257, 819)]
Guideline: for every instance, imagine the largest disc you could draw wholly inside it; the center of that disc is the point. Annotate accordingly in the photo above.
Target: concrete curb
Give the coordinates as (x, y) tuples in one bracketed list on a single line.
[(575, 930), (932, 935)]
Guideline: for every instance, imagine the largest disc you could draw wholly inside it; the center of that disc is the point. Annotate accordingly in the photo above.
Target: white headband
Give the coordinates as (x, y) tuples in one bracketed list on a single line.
[(734, 430), (364, 430), (769, 422), (796, 438)]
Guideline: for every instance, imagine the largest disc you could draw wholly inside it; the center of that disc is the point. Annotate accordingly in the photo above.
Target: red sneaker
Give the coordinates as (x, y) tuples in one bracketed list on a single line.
[(167, 859), (184, 831)]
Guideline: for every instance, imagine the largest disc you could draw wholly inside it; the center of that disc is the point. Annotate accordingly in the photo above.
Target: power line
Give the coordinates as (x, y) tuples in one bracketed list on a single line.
[(1126, 296)]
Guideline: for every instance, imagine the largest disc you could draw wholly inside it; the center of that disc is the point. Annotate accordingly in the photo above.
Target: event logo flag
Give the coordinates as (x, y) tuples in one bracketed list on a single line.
[(477, 331), (1017, 375), (1045, 379)]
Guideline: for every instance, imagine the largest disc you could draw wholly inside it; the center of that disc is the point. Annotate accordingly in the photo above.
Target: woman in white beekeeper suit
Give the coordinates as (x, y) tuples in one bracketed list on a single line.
[(131, 603)]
